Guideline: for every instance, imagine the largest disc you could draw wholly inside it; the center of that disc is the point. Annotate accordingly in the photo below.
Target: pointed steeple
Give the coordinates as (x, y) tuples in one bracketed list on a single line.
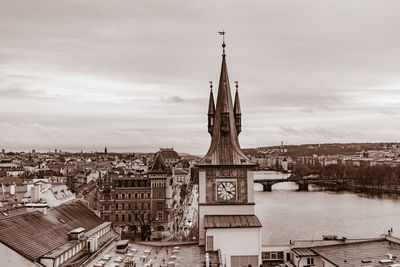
[(159, 165), (211, 110), (224, 148), (237, 111)]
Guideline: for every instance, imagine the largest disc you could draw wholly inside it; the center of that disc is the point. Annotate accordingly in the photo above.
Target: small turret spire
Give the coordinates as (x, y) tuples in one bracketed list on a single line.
[(211, 110), (237, 111)]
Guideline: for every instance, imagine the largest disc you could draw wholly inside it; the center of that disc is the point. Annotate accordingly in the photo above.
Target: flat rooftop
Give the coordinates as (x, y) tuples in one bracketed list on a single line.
[(367, 253), (142, 254)]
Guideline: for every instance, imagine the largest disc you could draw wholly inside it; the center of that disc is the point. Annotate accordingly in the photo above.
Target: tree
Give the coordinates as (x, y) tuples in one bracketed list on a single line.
[(145, 219)]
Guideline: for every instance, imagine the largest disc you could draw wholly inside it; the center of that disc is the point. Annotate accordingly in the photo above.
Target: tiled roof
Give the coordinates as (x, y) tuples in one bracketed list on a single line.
[(159, 165), (231, 221), (169, 154), (34, 234)]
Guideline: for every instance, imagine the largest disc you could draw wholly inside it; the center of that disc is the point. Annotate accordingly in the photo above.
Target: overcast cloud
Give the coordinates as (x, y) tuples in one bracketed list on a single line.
[(133, 75)]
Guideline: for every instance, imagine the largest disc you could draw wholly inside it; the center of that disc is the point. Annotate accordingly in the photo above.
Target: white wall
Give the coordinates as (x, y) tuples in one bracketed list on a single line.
[(202, 187), (221, 210), (250, 186), (47, 262), (236, 242), (11, 258), (300, 262)]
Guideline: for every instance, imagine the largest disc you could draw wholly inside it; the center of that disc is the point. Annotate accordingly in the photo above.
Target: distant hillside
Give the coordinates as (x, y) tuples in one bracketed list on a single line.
[(319, 149)]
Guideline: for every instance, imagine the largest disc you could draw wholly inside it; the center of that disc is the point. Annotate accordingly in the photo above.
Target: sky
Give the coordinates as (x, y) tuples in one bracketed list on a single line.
[(133, 75)]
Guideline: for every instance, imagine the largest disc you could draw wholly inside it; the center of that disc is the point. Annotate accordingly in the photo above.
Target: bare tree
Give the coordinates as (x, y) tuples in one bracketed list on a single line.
[(145, 219)]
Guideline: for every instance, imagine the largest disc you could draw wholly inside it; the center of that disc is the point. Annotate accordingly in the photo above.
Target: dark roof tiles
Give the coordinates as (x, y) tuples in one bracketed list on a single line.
[(34, 234)]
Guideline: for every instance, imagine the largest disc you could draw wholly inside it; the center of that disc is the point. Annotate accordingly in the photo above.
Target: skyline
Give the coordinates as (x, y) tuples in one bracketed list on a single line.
[(130, 77)]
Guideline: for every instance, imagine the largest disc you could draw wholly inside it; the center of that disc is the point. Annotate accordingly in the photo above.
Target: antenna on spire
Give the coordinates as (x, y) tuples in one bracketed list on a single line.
[(211, 85), (223, 41)]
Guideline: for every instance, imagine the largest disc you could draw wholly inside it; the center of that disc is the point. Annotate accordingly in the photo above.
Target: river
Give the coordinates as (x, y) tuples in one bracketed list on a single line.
[(299, 215)]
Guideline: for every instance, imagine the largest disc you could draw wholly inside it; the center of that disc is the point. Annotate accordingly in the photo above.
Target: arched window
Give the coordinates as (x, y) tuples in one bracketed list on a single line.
[(160, 195), (116, 195), (142, 195), (123, 196), (135, 195), (129, 196)]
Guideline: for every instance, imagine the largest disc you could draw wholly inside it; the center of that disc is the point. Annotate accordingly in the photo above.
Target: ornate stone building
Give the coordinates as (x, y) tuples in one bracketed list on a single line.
[(138, 199)]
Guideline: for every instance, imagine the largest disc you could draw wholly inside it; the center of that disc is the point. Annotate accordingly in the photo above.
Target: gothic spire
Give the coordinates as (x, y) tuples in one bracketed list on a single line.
[(224, 148)]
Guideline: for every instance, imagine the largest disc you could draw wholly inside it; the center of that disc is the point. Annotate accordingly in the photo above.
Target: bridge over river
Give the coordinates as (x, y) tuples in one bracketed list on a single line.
[(302, 182)]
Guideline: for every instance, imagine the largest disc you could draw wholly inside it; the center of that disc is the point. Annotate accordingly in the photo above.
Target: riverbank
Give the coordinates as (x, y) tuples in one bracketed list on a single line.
[(361, 189)]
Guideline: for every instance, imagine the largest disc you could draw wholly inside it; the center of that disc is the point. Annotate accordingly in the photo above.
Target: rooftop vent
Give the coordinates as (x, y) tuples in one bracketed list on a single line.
[(385, 261), (76, 233)]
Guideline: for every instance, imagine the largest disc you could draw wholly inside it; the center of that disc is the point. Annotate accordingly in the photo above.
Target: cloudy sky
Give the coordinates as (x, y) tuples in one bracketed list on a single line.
[(133, 75)]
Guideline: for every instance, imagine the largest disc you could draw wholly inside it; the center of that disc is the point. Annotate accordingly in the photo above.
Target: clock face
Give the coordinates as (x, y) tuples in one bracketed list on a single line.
[(226, 190)]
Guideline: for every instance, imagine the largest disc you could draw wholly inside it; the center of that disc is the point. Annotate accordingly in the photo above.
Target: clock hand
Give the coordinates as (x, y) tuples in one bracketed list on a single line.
[(228, 191)]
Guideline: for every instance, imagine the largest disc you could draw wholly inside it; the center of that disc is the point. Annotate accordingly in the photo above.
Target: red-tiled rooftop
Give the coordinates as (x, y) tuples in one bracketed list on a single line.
[(231, 221), (34, 234)]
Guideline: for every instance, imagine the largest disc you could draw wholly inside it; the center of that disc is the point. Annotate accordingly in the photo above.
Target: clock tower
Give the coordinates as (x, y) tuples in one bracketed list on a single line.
[(226, 185)]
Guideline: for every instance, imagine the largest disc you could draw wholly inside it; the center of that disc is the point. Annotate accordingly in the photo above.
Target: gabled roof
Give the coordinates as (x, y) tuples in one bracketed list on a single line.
[(35, 234), (159, 165)]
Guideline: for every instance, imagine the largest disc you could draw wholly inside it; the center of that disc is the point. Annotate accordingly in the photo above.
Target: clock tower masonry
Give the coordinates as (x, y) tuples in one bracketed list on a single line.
[(227, 221)]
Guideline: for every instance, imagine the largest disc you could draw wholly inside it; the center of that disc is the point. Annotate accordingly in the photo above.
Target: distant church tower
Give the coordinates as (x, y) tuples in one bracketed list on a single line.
[(226, 186)]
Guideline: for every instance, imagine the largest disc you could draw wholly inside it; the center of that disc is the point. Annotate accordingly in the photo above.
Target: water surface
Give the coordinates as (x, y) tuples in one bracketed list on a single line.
[(293, 215)]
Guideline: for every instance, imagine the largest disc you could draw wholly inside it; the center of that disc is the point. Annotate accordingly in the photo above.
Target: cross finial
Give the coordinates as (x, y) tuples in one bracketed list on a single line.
[(237, 84), (211, 85), (223, 41)]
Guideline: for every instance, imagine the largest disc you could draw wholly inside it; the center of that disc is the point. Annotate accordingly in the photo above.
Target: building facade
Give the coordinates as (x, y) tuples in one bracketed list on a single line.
[(138, 199)]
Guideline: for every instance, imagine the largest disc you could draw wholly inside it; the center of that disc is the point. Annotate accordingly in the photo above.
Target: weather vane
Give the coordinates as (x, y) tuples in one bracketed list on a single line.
[(223, 40)]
